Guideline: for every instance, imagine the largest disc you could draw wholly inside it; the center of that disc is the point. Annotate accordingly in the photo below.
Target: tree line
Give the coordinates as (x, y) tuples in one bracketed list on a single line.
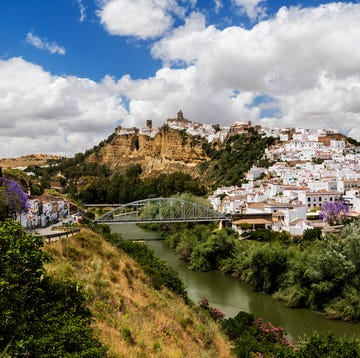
[(321, 273), (96, 183)]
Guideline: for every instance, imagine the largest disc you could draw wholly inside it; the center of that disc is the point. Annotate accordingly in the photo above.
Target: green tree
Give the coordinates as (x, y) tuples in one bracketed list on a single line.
[(235, 156), (327, 345), (208, 255), (268, 264), (312, 234), (39, 317), (234, 327), (326, 271)]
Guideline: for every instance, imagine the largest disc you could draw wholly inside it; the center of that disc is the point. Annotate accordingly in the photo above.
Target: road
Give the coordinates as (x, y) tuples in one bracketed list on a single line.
[(47, 230)]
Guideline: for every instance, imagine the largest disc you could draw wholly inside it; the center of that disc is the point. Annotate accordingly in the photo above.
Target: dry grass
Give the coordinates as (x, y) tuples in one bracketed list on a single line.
[(132, 318), (26, 160)]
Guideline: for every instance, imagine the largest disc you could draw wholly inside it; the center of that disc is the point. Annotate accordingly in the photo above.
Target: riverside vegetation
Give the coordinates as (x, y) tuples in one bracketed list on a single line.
[(321, 273)]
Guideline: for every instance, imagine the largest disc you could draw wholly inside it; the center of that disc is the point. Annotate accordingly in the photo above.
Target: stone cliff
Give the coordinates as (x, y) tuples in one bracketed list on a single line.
[(169, 151)]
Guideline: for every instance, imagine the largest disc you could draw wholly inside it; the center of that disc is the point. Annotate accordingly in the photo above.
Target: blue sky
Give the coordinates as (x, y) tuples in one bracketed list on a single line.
[(71, 70)]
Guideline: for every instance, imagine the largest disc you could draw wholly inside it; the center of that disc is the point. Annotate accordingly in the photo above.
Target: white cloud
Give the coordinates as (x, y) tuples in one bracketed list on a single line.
[(186, 42), (218, 5), (254, 9), (331, 103), (45, 113), (143, 19), (162, 96), (303, 58), (82, 11), (51, 47)]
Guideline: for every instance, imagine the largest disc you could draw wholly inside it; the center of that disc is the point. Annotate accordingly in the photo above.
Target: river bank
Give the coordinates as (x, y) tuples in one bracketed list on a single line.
[(230, 295)]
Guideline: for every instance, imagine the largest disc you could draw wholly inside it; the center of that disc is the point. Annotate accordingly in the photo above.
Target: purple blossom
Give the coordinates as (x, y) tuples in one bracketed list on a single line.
[(13, 199), (334, 212)]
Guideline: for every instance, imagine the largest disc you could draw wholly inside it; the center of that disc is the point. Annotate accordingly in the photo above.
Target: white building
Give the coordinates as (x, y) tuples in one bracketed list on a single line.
[(337, 144), (316, 199), (352, 198), (344, 185), (328, 185), (44, 211), (255, 173)]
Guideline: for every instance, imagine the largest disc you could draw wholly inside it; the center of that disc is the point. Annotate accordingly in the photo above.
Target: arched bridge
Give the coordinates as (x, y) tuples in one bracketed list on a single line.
[(160, 210)]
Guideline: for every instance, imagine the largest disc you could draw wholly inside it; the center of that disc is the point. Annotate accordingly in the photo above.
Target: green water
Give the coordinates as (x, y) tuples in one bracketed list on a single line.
[(231, 296)]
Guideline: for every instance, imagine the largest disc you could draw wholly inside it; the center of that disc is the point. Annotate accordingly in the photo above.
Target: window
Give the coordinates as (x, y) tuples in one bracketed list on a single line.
[(330, 198), (309, 199), (320, 198)]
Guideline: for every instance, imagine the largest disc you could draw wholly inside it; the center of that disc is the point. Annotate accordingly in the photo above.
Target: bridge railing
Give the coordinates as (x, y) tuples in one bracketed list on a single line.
[(161, 210)]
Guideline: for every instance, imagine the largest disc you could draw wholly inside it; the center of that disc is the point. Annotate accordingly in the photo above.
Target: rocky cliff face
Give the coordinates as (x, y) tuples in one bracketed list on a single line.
[(170, 150)]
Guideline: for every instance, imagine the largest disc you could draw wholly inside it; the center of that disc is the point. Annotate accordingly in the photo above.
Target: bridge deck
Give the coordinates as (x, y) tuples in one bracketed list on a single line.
[(159, 210), (148, 221)]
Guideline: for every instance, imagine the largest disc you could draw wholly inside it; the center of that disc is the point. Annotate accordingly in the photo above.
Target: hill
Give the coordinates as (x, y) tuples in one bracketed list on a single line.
[(129, 167), (27, 160), (132, 317), (173, 150)]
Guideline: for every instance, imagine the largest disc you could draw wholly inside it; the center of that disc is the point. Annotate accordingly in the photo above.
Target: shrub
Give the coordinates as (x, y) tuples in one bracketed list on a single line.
[(327, 345), (235, 327), (214, 312)]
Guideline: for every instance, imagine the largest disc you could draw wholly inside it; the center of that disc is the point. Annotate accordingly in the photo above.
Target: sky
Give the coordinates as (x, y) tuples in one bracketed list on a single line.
[(73, 70)]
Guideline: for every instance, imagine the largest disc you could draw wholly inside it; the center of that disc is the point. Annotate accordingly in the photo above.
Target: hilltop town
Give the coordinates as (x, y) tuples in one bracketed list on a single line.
[(310, 167)]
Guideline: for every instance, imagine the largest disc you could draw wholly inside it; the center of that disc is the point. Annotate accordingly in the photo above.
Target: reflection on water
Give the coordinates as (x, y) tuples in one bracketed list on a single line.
[(231, 296)]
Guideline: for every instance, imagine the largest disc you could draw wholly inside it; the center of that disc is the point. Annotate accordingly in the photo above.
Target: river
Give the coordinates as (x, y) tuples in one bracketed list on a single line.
[(231, 295)]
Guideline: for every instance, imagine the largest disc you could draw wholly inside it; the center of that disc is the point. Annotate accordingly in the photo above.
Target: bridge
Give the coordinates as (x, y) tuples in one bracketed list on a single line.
[(160, 210)]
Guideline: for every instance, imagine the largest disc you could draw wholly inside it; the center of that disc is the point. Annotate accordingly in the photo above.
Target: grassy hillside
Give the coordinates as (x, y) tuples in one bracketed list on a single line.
[(133, 318)]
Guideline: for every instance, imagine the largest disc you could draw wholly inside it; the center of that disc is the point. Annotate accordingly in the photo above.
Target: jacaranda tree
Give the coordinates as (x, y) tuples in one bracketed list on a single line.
[(334, 212), (13, 199)]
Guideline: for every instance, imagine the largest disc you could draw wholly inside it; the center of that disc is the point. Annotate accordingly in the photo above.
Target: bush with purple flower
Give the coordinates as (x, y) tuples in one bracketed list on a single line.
[(214, 312), (13, 199), (271, 333)]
